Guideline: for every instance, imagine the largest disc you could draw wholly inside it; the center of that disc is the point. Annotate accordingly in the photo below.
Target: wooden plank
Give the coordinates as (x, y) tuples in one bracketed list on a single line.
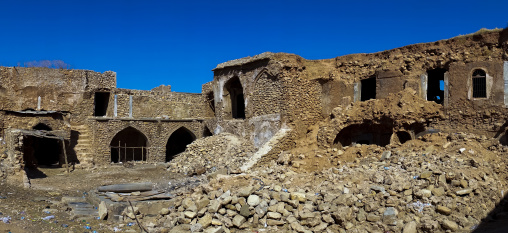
[(126, 188), (153, 197)]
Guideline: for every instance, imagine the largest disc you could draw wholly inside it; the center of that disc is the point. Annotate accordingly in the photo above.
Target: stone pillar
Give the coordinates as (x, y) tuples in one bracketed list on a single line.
[(357, 92), (130, 106), (505, 78), (424, 84), (446, 85)]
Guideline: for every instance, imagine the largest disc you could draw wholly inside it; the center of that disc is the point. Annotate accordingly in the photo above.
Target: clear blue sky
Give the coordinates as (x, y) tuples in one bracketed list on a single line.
[(177, 43)]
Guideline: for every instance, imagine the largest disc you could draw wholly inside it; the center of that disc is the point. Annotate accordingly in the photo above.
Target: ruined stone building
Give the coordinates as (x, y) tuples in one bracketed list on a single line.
[(271, 99)]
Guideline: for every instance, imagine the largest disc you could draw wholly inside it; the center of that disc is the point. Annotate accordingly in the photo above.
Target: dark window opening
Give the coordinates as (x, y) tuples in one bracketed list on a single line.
[(101, 103), (368, 88), (211, 102), (479, 84), (236, 99), (129, 145), (207, 132), (177, 142), (403, 136), (435, 85), (378, 134), (42, 126)]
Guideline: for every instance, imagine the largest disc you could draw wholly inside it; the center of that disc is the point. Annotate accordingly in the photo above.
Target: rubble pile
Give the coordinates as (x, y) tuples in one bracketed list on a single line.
[(222, 151), (440, 183)]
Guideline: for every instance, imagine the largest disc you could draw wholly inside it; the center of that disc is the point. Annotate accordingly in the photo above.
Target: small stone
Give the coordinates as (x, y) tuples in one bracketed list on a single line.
[(410, 227), (425, 175), (206, 220), (164, 211), (216, 222), (214, 206), (244, 211), (464, 191), (189, 214), (438, 191), (378, 188), (238, 220), (273, 215), (450, 225), (272, 222), (298, 196), (214, 230), (196, 227), (253, 200), (463, 183), (386, 155), (373, 218), (103, 210), (443, 210), (245, 191)]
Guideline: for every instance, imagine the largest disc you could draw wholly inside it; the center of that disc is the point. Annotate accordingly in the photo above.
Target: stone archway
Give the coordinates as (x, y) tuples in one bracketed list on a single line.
[(178, 141), (129, 145)]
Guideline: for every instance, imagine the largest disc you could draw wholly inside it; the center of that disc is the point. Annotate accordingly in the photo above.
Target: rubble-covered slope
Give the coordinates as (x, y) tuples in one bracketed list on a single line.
[(209, 154)]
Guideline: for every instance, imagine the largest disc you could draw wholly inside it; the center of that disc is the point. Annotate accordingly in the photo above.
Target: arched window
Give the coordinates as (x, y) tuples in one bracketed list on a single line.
[(129, 145), (479, 84), (235, 103)]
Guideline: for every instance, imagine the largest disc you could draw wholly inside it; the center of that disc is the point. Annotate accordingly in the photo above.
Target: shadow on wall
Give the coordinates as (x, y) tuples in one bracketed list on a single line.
[(496, 221)]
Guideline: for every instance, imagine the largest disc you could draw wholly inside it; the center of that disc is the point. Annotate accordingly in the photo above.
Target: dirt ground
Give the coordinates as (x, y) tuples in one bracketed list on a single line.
[(27, 207)]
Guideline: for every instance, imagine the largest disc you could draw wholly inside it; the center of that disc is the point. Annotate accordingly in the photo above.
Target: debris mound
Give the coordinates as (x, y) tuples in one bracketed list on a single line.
[(209, 154)]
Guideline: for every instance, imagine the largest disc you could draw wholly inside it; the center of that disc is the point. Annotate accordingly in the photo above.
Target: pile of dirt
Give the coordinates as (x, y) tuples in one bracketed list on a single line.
[(210, 154)]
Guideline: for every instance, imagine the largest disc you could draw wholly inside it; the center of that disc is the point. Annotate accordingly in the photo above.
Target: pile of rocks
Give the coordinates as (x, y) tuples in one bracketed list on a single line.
[(425, 189), (212, 153)]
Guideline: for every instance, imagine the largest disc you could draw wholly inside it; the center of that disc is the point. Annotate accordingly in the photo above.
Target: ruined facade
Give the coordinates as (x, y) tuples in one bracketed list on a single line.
[(262, 98)]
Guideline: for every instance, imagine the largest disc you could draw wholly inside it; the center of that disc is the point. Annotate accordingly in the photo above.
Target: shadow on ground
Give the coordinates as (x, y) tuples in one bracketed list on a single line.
[(497, 220)]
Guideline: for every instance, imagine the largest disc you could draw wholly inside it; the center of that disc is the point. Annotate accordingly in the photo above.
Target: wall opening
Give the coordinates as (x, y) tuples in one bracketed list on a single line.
[(177, 142), (479, 84), (435, 85), (368, 88), (211, 102), (236, 99), (101, 102), (403, 136), (40, 152), (366, 133), (207, 132), (129, 145)]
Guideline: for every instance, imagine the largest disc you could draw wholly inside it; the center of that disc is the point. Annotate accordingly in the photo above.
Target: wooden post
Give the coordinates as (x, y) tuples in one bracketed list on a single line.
[(119, 153), (125, 152), (65, 155), (133, 153)]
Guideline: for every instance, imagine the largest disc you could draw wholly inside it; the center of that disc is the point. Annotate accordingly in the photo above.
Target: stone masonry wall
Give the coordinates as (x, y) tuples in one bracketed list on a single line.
[(157, 133)]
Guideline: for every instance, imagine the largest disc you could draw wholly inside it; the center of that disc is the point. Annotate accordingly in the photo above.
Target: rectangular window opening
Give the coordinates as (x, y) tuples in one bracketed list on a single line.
[(368, 88), (101, 103), (435, 85)]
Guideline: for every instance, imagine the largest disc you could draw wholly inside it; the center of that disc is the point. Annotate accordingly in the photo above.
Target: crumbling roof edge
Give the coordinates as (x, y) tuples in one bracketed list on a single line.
[(244, 60)]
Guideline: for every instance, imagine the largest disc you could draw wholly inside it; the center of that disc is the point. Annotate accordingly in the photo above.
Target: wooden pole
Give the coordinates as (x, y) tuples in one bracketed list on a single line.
[(125, 152), (119, 153), (65, 155)]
